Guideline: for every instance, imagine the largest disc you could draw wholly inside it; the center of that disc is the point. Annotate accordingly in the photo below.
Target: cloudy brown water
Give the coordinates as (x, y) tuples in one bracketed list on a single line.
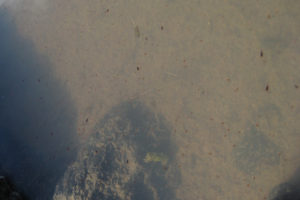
[(224, 74)]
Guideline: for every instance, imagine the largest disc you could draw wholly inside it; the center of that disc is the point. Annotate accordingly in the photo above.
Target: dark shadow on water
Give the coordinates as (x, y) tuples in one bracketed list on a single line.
[(37, 117)]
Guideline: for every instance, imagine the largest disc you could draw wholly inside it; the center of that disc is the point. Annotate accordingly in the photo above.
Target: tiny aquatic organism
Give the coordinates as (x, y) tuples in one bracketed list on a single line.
[(137, 32)]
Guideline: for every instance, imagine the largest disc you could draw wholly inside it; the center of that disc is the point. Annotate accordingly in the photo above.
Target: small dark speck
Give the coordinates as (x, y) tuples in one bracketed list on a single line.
[(39, 80), (161, 28), (138, 68), (267, 88), (126, 161), (261, 53), (296, 86), (87, 119), (107, 10)]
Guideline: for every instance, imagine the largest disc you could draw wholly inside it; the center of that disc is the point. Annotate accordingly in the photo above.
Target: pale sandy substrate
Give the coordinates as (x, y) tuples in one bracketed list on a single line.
[(199, 65)]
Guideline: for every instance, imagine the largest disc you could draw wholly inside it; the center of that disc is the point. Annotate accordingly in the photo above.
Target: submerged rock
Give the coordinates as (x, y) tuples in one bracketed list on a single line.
[(130, 156), (255, 151), (289, 190), (7, 192)]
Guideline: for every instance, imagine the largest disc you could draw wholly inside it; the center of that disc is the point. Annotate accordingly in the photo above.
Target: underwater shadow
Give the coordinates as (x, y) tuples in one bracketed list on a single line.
[(37, 117)]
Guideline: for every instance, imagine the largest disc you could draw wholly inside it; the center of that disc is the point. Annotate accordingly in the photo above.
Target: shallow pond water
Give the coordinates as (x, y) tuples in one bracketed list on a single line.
[(216, 84)]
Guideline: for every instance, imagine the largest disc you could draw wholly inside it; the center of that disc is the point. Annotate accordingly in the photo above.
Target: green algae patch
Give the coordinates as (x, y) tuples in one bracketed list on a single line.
[(156, 157)]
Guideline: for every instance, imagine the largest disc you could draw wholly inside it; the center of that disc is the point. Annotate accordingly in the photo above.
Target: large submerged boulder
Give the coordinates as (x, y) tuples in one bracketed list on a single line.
[(129, 156)]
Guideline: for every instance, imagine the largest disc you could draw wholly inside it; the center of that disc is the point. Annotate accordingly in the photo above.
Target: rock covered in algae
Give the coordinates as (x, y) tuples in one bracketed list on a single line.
[(130, 156)]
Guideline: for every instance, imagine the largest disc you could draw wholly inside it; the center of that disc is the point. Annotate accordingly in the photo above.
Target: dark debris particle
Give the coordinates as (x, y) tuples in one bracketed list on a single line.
[(267, 88), (107, 10), (261, 53), (137, 68), (161, 28), (87, 119), (296, 86)]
